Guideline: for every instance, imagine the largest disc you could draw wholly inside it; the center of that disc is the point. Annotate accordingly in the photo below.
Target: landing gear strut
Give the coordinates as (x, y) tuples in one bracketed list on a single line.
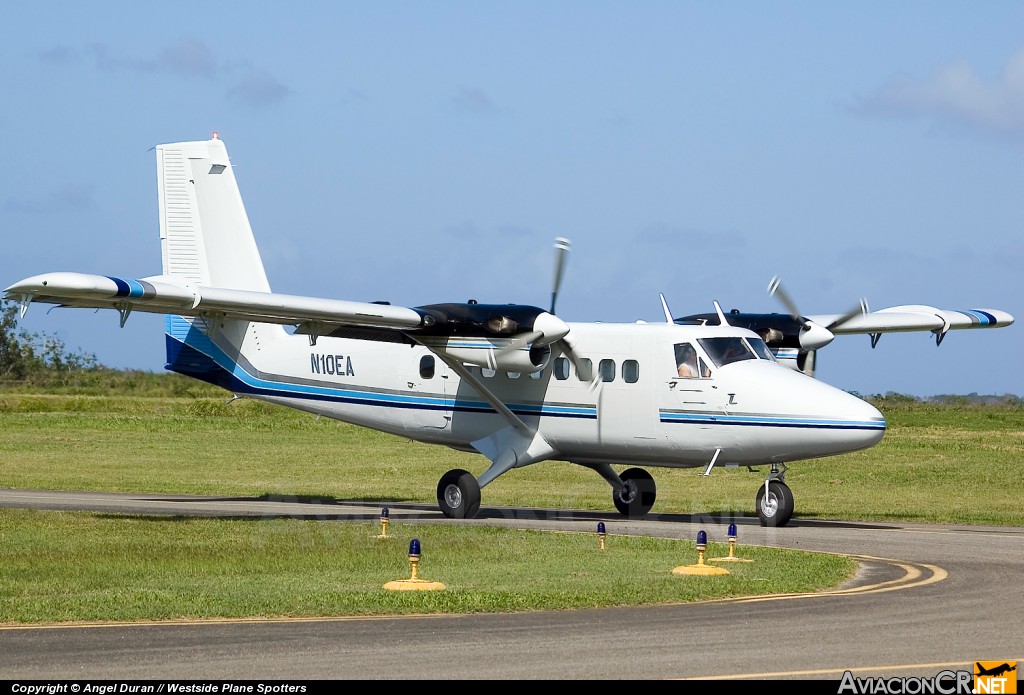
[(458, 494)]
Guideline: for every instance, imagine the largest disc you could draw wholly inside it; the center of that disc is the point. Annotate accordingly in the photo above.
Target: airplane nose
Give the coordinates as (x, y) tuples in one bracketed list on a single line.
[(865, 423)]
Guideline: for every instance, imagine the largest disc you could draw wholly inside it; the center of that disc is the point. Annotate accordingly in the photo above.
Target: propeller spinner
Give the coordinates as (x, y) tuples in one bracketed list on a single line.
[(812, 335)]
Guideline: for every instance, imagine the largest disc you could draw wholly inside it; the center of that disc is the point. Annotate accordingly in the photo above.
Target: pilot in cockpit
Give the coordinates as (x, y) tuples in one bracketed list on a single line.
[(686, 360)]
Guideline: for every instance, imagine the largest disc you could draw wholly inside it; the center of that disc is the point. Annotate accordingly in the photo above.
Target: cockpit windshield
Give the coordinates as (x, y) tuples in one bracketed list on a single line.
[(723, 351), (761, 349)]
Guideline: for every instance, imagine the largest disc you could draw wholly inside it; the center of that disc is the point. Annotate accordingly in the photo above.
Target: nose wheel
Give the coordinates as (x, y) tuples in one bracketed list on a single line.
[(774, 503)]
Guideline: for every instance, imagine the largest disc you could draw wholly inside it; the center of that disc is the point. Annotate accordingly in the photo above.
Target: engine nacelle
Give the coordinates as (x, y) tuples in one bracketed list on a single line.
[(499, 354)]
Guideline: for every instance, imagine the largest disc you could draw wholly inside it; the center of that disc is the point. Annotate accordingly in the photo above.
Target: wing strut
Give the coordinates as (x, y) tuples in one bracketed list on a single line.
[(495, 402)]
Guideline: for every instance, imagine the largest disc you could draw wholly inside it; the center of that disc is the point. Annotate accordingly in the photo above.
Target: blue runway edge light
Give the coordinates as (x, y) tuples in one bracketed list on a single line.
[(732, 530), (600, 527), (384, 513), (702, 538), (414, 547)]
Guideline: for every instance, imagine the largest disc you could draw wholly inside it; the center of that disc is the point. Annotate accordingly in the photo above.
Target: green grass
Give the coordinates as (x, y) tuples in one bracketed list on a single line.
[(81, 567), (937, 464)]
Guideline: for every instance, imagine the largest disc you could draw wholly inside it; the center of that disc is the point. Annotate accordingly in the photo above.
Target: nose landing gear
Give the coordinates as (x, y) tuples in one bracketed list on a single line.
[(774, 501)]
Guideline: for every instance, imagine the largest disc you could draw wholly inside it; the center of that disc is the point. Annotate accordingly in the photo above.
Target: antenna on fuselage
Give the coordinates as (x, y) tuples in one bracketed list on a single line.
[(664, 307), (721, 315)]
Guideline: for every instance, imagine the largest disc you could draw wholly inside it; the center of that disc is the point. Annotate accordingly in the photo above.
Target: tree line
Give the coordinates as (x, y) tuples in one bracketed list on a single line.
[(35, 357)]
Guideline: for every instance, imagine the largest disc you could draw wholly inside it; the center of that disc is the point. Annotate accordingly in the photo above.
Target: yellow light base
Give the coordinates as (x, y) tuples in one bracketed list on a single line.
[(414, 585), (729, 559), (700, 569)]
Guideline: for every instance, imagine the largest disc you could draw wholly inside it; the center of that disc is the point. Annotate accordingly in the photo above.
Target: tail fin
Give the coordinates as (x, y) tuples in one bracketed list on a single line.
[(206, 240), (204, 231)]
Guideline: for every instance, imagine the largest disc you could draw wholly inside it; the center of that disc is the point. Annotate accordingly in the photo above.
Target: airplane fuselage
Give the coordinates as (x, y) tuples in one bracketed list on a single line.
[(642, 412)]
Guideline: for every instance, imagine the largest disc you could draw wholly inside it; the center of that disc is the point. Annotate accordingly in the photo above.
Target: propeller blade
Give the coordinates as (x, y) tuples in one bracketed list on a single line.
[(775, 289), (519, 341), (568, 349), (561, 254), (858, 310)]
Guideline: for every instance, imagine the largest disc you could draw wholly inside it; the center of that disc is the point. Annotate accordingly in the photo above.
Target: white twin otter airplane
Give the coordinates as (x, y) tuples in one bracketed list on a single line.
[(514, 383)]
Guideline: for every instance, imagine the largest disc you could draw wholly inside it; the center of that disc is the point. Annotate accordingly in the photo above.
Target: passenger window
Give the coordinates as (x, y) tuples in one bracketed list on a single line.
[(561, 368), (487, 372), (607, 370), (585, 372), (537, 374), (427, 367), (513, 375), (630, 371)]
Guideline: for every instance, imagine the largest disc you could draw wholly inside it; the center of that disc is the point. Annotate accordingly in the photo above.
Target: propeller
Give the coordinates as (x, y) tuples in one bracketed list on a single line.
[(548, 329), (562, 246), (812, 335)]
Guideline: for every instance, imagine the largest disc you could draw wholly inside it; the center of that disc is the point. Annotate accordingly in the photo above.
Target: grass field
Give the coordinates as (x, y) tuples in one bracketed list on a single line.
[(937, 463)]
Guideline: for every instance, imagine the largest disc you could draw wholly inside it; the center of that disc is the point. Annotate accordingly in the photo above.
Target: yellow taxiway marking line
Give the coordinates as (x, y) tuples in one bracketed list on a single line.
[(967, 666)]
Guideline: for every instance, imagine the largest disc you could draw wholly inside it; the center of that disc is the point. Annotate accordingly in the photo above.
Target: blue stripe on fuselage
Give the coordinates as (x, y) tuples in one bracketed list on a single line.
[(192, 353), (766, 421)]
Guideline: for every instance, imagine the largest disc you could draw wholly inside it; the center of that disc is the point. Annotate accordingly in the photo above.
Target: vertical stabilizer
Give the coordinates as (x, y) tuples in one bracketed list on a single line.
[(204, 231), (206, 240)]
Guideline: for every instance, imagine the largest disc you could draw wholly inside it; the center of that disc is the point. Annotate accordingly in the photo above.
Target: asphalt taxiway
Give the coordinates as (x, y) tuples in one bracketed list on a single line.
[(927, 598)]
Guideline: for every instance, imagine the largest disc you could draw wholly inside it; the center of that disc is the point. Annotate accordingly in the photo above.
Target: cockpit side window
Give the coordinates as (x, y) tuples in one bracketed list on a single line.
[(723, 351), (761, 349), (689, 364)]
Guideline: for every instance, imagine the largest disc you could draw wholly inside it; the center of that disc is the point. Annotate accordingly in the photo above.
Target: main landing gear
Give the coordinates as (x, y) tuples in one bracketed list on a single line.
[(637, 494), (458, 494)]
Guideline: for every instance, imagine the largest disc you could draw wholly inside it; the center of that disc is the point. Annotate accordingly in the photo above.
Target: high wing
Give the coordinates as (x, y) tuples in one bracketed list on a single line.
[(914, 317), (168, 295), (514, 337), (795, 338)]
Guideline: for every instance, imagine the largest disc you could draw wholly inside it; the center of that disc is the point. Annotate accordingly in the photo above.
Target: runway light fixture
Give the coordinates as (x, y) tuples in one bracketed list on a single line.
[(414, 583), (601, 533), (732, 548), (700, 568), (384, 520)]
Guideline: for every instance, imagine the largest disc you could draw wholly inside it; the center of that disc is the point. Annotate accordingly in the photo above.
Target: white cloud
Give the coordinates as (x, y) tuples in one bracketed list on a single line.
[(258, 89), (189, 59), (956, 92)]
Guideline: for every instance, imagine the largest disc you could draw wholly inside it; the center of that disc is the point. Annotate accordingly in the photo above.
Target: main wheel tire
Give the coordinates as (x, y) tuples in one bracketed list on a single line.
[(775, 508), (638, 495), (458, 494)]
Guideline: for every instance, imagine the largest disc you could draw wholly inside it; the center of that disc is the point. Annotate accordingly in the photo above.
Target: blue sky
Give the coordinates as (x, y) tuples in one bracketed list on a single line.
[(431, 152)]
